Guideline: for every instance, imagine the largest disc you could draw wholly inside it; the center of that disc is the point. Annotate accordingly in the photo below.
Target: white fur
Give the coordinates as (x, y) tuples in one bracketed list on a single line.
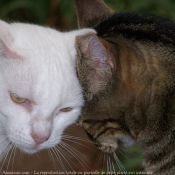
[(37, 63)]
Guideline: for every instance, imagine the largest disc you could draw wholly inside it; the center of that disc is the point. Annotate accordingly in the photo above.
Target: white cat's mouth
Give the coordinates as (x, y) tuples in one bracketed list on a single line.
[(34, 148), (29, 146), (30, 149)]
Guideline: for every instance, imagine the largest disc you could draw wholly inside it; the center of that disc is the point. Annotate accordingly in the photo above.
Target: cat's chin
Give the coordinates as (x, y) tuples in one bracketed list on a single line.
[(34, 149), (30, 150)]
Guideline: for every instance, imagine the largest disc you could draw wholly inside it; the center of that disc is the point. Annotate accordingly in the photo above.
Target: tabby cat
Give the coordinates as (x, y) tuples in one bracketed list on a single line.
[(127, 72)]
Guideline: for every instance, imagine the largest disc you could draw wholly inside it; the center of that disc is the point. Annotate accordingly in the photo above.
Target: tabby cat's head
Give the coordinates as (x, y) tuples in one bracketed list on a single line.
[(106, 98), (99, 75), (125, 81)]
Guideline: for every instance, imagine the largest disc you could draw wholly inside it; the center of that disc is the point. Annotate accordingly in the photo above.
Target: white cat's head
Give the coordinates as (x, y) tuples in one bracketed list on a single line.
[(39, 91)]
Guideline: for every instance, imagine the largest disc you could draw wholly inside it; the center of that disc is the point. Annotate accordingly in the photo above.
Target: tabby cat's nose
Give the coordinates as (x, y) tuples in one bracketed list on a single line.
[(38, 138)]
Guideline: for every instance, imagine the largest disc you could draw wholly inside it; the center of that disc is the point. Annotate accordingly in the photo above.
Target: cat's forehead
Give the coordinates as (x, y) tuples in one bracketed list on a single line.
[(45, 69), (40, 79), (37, 39)]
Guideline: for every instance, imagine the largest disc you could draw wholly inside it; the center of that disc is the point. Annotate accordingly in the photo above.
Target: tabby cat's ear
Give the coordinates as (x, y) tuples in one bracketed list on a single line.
[(89, 12), (70, 38), (95, 64)]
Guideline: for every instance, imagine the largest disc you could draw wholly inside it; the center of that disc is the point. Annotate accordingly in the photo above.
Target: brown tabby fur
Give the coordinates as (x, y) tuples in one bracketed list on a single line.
[(127, 72)]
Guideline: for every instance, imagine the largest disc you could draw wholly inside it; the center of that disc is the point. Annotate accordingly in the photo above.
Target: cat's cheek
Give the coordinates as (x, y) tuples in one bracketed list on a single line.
[(18, 133), (67, 118), (54, 140), (62, 121)]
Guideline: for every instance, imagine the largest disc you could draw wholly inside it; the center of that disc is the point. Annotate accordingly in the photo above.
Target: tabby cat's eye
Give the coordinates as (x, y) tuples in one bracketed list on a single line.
[(17, 99), (66, 109)]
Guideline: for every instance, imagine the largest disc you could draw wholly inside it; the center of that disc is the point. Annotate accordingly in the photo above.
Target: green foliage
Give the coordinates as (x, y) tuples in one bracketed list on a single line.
[(165, 8), (129, 160), (25, 10), (132, 159), (61, 13)]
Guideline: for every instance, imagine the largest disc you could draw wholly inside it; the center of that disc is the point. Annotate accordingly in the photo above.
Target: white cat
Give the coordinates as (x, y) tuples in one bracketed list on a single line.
[(39, 91)]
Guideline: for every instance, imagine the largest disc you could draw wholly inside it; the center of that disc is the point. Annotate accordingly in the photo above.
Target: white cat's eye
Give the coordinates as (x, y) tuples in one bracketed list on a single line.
[(66, 109), (17, 99)]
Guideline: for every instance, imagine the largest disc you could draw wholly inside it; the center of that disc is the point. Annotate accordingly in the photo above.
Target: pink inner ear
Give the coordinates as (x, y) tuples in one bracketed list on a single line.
[(97, 50), (96, 64), (93, 49), (91, 46), (6, 51)]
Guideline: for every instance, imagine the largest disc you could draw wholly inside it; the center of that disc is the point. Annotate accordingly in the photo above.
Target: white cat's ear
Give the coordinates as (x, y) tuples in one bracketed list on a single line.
[(6, 40), (95, 63), (71, 36)]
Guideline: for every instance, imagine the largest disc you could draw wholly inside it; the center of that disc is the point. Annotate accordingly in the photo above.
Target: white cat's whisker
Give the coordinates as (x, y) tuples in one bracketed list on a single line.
[(62, 153), (99, 155), (50, 152), (106, 162), (110, 165), (37, 155), (125, 150), (121, 167), (11, 151), (58, 158), (72, 152), (13, 159), (113, 168), (76, 138), (67, 153), (6, 156), (76, 143), (124, 155), (2, 150), (75, 153)]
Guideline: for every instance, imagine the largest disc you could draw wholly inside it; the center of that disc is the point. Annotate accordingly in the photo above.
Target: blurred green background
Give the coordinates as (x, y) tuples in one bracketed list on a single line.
[(60, 14)]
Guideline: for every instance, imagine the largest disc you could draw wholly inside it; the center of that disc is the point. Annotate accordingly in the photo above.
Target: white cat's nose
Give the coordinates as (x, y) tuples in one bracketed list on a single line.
[(39, 138)]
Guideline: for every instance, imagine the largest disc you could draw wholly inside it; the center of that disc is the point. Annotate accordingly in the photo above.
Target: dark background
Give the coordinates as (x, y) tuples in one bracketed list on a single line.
[(60, 14)]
